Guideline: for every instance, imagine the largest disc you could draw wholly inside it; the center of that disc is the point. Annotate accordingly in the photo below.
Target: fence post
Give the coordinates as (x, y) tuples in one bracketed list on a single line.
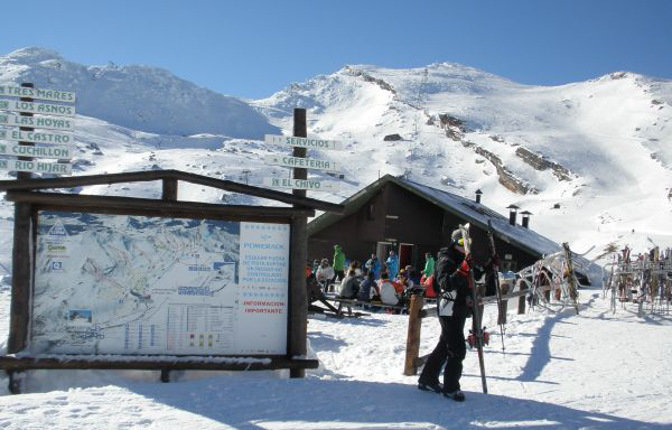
[(413, 336), (521, 300)]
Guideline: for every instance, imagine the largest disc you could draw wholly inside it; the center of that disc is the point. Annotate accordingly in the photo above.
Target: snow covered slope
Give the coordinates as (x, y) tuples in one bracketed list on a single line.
[(606, 161), (591, 160), (600, 150), (136, 97), (596, 370)]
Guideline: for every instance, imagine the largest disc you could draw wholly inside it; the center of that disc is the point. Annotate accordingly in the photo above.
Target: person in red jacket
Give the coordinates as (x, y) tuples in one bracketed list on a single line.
[(427, 283)]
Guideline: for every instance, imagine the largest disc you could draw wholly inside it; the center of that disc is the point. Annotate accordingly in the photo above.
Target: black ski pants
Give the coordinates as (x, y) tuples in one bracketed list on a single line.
[(451, 350)]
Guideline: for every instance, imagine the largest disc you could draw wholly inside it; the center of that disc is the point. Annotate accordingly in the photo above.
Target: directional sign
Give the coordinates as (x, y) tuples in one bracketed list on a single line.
[(14, 165), (58, 152), (300, 184), (37, 122), (304, 163), (304, 142), (37, 137), (41, 108), (37, 93)]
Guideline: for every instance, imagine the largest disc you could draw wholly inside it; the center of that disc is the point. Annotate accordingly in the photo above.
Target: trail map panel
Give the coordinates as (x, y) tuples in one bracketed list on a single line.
[(118, 284)]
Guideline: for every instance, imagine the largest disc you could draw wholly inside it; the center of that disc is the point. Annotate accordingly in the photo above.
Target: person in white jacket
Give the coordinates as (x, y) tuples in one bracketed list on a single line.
[(324, 274), (388, 294)]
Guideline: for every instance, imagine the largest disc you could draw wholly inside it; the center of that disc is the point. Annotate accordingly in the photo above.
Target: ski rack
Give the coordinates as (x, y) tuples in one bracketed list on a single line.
[(551, 282), (645, 280)]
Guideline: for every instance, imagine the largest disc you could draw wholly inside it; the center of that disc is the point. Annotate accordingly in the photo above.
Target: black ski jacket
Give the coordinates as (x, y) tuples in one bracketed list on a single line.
[(448, 279)]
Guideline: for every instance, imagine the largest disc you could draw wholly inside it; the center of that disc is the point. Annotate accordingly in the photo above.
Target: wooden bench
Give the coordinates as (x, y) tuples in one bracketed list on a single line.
[(344, 305)]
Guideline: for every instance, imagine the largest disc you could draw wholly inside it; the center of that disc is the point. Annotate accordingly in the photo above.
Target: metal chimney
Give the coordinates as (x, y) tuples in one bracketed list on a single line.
[(512, 213), (526, 218), (479, 193)]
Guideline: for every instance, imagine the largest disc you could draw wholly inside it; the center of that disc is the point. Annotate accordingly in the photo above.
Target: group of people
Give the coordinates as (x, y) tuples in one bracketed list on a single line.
[(374, 281), (445, 278)]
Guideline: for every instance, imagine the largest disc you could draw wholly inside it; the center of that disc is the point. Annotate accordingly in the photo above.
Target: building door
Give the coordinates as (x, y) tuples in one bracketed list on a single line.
[(405, 254), (383, 251)]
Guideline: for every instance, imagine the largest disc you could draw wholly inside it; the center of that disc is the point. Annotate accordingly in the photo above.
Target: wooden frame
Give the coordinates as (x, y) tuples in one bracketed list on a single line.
[(28, 202)]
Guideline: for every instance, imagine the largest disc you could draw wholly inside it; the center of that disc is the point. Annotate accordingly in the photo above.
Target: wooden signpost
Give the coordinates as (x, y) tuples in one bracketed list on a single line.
[(28, 91), (304, 142), (298, 161), (39, 241), (53, 119), (300, 184)]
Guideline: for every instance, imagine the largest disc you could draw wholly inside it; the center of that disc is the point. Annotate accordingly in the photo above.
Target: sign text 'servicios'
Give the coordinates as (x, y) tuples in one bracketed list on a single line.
[(304, 142)]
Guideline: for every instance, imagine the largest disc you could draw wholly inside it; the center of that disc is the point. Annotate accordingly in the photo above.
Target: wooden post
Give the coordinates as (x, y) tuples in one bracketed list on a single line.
[(169, 191), (22, 258), (298, 297), (503, 305), (413, 336), (521, 300), (573, 291), (165, 375), (300, 130), (22, 264)]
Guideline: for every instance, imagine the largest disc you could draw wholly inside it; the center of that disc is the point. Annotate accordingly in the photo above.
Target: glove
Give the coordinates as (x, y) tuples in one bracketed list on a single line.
[(464, 267)]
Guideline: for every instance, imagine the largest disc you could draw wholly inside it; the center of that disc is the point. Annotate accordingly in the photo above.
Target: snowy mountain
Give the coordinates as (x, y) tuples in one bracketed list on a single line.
[(136, 97), (590, 160)]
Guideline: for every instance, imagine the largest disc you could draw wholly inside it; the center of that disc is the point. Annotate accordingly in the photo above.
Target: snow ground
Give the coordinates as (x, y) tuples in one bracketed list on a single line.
[(595, 370), (559, 370)]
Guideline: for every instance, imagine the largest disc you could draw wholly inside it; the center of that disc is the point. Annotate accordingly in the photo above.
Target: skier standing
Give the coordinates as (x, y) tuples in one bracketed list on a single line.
[(339, 263), (454, 304), (429, 265), (392, 264)]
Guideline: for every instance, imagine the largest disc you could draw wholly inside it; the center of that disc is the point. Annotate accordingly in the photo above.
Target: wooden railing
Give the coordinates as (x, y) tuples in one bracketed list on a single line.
[(417, 312)]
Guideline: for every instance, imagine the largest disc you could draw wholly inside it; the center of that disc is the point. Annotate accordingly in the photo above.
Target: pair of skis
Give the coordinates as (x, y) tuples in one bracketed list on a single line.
[(477, 326), (478, 332)]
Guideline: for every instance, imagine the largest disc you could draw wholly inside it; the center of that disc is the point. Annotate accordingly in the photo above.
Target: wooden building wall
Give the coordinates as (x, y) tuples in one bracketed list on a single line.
[(395, 214)]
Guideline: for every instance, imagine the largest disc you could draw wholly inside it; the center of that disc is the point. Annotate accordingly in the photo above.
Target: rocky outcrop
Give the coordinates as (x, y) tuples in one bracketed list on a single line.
[(392, 138), (539, 162), (506, 177), (454, 127), (446, 121), (368, 78)]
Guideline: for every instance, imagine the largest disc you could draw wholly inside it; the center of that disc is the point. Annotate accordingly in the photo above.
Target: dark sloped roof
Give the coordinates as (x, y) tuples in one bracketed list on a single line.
[(479, 215), (475, 213)]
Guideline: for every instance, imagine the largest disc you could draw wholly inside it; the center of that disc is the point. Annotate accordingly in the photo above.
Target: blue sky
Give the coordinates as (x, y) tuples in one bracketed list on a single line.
[(251, 49)]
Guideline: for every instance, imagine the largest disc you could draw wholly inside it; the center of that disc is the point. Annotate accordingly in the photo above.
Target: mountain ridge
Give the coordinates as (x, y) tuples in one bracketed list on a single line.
[(590, 159), (120, 95)]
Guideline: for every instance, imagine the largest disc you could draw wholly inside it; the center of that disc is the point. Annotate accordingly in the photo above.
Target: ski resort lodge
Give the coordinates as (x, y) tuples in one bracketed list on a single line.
[(398, 214)]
